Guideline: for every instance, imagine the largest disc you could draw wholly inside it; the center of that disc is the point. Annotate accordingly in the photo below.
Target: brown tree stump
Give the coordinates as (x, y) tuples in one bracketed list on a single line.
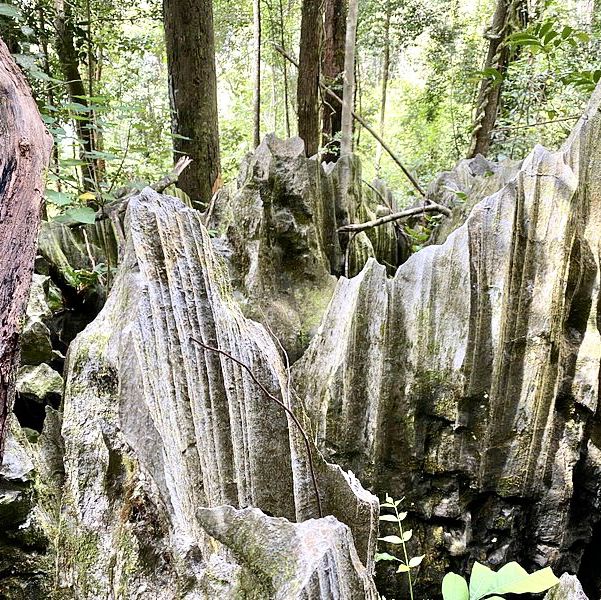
[(24, 153)]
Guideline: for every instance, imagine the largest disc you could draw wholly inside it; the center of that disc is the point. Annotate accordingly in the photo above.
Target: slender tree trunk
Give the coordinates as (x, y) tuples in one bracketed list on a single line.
[(285, 67), (257, 73), (385, 73), (333, 73), (24, 154), (69, 61), (193, 94), (346, 139), (307, 91), (508, 15)]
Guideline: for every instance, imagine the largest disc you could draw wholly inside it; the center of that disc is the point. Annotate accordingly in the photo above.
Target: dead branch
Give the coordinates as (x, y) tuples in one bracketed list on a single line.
[(281, 404), (410, 212), (364, 123)]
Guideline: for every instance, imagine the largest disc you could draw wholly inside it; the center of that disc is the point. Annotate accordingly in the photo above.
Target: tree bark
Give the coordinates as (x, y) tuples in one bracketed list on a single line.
[(333, 72), (498, 57), (385, 73), (257, 73), (285, 68), (193, 94), (24, 155), (307, 91), (346, 139), (69, 62)]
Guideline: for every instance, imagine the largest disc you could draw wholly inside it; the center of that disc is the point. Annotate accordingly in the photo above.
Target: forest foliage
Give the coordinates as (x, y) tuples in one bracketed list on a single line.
[(436, 65)]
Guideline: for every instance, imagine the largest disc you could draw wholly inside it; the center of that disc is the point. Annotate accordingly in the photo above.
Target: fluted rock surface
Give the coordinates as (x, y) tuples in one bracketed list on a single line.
[(469, 382), (156, 427), (278, 231)]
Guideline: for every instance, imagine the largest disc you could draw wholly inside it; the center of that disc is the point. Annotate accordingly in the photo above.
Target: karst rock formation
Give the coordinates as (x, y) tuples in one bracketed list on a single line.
[(231, 416)]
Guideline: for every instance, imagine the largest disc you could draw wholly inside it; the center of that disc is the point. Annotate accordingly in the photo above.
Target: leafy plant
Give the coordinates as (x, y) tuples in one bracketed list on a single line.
[(407, 564), (491, 585)]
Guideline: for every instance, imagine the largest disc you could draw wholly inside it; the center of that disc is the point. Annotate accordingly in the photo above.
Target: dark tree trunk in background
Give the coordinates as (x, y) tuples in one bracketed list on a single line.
[(193, 94), (508, 17), (257, 73), (24, 154), (385, 74), (307, 91), (333, 73), (68, 57)]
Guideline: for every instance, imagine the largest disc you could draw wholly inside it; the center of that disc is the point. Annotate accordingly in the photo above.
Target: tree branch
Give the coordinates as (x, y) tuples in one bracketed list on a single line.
[(281, 404), (410, 212)]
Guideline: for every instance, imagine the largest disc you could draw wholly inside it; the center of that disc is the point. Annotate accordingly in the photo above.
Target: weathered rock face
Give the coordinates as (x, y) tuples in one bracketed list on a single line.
[(569, 588), (155, 427), (278, 231), (469, 382), (472, 180), (25, 564)]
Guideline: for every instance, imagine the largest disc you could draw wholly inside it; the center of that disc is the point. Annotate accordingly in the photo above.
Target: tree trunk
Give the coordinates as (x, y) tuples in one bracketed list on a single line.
[(285, 68), (346, 139), (69, 62), (498, 57), (333, 73), (385, 73), (257, 73), (25, 151), (193, 94), (307, 91)]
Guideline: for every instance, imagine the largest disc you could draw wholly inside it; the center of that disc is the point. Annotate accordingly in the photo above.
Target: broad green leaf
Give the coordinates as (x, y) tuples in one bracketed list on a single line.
[(403, 568), (407, 535), (454, 587), (513, 579), (391, 518), (402, 516), (385, 556), (483, 581), (82, 214), (391, 539), (58, 198), (87, 196), (566, 32), (416, 560), (8, 10)]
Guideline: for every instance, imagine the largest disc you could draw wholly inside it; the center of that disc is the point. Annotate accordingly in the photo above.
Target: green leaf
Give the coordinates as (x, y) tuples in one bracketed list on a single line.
[(407, 535), (513, 579), (454, 587), (482, 581), (403, 568), (58, 198), (82, 214), (391, 518), (416, 560), (385, 556), (402, 516), (8, 10), (391, 539), (566, 32)]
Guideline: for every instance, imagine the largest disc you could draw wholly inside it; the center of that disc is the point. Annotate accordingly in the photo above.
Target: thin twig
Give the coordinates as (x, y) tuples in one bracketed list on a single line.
[(538, 123), (125, 153), (211, 208), (281, 404), (364, 123), (410, 212)]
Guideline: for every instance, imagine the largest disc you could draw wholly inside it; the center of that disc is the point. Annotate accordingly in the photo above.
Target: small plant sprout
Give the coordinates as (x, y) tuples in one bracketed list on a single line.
[(407, 564)]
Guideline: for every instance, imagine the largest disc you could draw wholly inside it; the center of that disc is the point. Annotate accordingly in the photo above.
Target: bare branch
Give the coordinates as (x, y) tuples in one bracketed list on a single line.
[(281, 404), (410, 212)]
